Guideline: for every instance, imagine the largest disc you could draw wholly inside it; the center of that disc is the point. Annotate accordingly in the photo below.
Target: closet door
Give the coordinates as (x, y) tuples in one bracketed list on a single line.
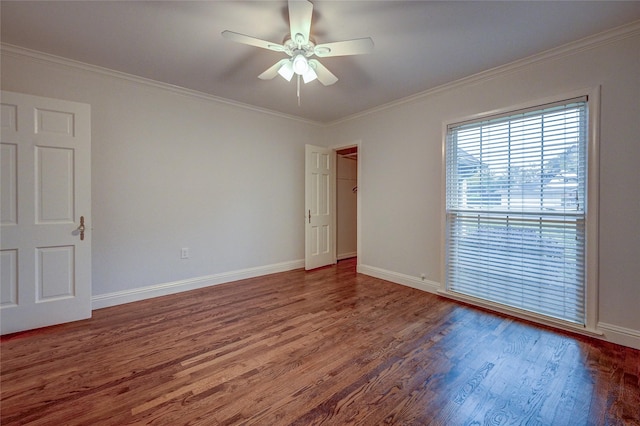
[(320, 246)]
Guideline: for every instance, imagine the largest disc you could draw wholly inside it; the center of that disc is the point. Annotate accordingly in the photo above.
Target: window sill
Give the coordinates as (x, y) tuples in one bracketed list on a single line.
[(522, 314)]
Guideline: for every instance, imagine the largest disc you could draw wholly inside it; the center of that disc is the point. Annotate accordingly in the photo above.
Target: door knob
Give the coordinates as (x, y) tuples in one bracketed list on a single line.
[(81, 228)]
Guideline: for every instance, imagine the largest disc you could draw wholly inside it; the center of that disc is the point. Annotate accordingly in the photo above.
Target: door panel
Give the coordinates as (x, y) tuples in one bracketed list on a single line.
[(46, 188), (320, 220), (9, 278), (9, 184), (55, 273), (54, 185)]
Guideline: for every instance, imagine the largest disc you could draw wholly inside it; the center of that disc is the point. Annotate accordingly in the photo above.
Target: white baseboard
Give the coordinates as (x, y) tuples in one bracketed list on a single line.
[(395, 277), (343, 256), (620, 335), (134, 295), (608, 332)]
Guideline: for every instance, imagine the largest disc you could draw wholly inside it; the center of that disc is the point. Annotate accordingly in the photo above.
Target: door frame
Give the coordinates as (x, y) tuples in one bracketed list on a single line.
[(334, 148)]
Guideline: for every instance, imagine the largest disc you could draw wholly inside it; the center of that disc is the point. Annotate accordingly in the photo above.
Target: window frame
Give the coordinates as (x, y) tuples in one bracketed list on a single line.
[(592, 205)]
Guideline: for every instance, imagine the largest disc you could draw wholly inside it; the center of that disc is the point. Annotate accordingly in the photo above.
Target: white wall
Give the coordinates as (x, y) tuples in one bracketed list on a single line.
[(173, 170), (401, 147)]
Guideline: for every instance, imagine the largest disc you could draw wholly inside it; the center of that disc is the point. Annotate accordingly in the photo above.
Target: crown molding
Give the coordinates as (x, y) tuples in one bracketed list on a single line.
[(588, 43), (34, 55)]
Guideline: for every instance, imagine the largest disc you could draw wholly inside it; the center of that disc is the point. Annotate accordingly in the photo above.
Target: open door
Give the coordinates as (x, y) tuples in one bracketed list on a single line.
[(45, 211), (320, 245)]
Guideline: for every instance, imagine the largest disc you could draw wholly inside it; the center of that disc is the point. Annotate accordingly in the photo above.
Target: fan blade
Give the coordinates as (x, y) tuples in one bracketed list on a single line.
[(252, 41), (358, 46), (273, 70), (300, 12), (325, 76)]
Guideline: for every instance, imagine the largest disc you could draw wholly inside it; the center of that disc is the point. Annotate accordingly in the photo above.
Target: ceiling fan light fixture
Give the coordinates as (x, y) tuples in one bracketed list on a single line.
[(300, 48), (286, 70), (300, 64), (310, 75)]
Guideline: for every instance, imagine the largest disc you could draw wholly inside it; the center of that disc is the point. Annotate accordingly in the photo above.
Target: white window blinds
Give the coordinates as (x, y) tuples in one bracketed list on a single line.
[(515, 209)]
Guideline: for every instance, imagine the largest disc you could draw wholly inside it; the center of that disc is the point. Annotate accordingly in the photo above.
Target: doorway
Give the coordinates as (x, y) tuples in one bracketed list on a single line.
[(347, 202)]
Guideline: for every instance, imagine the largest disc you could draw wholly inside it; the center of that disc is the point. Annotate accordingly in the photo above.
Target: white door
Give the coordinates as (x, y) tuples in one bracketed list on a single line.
[(320, 246), (45, 191)]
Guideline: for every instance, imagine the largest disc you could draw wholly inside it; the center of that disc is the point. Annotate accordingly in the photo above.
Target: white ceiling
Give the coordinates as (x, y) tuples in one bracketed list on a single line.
[(418, 44)]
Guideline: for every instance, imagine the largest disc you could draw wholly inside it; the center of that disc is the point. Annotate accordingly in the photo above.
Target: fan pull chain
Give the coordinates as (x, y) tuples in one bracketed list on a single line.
[(298, 90)]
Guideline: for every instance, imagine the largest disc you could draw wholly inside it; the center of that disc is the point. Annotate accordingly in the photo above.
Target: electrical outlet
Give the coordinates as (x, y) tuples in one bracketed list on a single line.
[(184, 253)]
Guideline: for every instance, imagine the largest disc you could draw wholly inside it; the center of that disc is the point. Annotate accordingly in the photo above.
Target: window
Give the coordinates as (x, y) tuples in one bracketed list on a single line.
[(516, 209)]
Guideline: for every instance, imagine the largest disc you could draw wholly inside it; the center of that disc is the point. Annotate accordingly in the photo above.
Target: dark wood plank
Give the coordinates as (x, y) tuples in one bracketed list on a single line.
[(322, 347)]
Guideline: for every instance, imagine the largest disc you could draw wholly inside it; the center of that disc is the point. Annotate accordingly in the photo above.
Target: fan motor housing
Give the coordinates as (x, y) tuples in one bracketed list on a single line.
[(292, 48)]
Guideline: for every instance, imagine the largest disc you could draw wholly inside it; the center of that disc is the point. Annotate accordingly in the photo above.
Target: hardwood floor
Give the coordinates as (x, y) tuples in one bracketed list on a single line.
[(323, 347)]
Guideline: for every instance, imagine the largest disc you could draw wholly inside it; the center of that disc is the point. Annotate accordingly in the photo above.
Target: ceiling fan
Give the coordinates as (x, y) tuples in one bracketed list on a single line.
[(300, 48)]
